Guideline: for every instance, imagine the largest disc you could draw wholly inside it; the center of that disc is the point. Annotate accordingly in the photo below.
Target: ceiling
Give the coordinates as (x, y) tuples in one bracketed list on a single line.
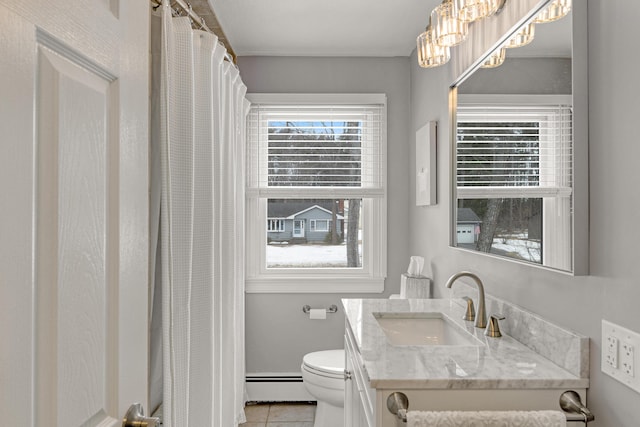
[(375, 28), (323, 28)]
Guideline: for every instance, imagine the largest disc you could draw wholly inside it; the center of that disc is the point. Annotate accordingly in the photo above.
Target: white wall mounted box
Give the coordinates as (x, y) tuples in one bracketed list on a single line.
[(619, 359)]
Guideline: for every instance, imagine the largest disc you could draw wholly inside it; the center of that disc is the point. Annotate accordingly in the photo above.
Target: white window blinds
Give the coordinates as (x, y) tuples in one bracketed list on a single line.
[(320, 149), (514, 151)]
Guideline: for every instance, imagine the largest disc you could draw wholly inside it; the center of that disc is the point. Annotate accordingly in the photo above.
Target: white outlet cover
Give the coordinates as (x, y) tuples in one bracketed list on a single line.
[(627, 355), (628, 343), (611, 351)]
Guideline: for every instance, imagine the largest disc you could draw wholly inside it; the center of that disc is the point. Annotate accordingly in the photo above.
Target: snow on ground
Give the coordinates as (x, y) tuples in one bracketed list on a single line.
[(323, 256), (524, 249), (308, 256)]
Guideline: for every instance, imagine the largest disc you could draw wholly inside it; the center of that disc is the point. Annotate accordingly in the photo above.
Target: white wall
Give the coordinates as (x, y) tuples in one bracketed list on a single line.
[(613, 288), (278, 333)]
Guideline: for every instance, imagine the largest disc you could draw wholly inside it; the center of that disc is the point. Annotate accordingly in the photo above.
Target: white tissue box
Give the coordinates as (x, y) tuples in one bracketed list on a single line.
[(415, 287)]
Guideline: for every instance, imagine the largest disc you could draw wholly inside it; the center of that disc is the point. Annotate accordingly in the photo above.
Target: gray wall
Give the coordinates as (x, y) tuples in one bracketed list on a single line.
[(541, 76), (278, 333), (612, 289)]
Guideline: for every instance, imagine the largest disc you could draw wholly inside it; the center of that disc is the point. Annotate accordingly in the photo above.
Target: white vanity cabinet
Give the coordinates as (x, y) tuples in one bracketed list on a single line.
[(497, 374), (359, 405), (367, 407)]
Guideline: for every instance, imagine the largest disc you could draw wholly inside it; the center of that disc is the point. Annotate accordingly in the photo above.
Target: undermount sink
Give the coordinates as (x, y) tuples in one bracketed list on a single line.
[(423, 329)]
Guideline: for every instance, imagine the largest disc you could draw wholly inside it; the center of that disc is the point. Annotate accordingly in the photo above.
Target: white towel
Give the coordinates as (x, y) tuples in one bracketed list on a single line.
[(486, 419)]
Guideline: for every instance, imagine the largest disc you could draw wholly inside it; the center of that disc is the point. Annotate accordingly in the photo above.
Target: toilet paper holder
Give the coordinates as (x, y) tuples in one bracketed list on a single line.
[(332, 309)]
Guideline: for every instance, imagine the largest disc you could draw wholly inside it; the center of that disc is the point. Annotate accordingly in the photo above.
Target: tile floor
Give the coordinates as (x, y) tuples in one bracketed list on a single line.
[(279, 415)]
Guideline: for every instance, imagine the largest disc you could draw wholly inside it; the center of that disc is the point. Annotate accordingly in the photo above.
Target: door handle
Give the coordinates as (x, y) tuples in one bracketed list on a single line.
[(135, 418)]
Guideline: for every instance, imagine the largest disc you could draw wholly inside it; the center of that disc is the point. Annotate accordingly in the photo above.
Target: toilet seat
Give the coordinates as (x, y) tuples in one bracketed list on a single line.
[(326, 363)]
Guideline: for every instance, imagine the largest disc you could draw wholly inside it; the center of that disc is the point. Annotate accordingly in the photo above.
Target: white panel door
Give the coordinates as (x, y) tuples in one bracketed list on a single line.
[(74, 211)]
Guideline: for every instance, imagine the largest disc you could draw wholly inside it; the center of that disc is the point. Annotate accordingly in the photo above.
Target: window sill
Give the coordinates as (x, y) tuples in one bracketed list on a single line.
[(305, 284)]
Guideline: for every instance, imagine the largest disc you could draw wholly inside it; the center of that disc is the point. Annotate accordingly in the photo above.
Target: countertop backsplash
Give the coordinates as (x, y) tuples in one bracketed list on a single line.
[(563, 347)]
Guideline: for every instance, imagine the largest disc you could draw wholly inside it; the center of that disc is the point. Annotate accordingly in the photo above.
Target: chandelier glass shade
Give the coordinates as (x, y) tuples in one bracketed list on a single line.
[(523, 37), (449, 29), (472, 10), (557, 9), (495, 59), (430, 54)]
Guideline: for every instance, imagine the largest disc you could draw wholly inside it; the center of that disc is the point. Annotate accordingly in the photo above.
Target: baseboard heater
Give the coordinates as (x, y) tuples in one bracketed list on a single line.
[(277, 387)]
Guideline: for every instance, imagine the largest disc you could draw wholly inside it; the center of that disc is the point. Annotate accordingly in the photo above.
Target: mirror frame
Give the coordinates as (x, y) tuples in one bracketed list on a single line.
[(484, 37)]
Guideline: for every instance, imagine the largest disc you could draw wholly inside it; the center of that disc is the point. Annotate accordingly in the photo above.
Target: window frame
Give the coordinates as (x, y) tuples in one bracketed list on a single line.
[(557, 239), (368, 278), (313, 225), (279, 221)]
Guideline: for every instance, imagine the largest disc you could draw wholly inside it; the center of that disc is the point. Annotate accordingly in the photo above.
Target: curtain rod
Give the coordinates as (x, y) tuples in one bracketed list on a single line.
[(198, 20)]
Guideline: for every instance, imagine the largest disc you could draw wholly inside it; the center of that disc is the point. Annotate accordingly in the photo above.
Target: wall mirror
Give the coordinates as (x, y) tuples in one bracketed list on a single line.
[(519, 148)]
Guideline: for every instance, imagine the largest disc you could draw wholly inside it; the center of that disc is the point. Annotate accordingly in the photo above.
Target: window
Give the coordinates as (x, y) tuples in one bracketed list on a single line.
[(316, 176), (275, 225), (514, 178), (320, 224)]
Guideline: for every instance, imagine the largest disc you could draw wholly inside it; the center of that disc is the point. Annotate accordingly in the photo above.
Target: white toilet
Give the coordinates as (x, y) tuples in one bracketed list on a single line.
[(323, 377)]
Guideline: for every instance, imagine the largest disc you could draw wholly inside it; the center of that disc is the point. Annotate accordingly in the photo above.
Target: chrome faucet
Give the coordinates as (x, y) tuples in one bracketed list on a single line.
[(481, 316)]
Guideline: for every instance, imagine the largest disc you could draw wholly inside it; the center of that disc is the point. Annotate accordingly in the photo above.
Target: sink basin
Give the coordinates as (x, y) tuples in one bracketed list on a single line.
[(423, 329)]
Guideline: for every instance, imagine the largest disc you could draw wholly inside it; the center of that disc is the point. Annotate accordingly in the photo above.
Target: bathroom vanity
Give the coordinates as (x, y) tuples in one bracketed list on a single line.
[(423, 348)]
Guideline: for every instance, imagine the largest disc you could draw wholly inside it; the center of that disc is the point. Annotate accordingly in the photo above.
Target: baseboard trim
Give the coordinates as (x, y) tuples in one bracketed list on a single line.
[(277, 387)]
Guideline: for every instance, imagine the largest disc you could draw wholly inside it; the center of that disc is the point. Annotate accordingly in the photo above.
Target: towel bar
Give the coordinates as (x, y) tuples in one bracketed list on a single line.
[(570, 403)]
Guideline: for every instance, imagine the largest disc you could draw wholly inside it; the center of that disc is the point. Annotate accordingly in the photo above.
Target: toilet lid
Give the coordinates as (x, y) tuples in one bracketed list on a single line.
[(328, 361)]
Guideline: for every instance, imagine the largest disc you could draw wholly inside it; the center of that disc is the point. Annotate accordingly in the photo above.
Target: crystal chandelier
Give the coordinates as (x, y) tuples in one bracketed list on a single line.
[(449, 23)]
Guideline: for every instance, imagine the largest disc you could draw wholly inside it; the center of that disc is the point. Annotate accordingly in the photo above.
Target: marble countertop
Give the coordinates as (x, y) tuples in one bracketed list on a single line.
[(493, 363)]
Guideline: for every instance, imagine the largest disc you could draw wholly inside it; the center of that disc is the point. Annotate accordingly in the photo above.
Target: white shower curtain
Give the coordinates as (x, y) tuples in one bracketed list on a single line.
[(202, 111)]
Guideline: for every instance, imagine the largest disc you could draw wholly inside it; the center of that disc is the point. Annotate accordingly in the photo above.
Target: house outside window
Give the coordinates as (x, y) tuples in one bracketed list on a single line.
[(317, 213), (316, 176)]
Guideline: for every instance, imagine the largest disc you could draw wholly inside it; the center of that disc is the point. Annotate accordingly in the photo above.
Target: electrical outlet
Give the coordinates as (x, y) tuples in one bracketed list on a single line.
[(619, 354), (611, 351), (626, 359)]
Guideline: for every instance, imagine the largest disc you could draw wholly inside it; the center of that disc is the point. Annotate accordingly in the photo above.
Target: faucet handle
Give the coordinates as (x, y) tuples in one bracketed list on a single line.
[(493, 328), (470, 313)]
